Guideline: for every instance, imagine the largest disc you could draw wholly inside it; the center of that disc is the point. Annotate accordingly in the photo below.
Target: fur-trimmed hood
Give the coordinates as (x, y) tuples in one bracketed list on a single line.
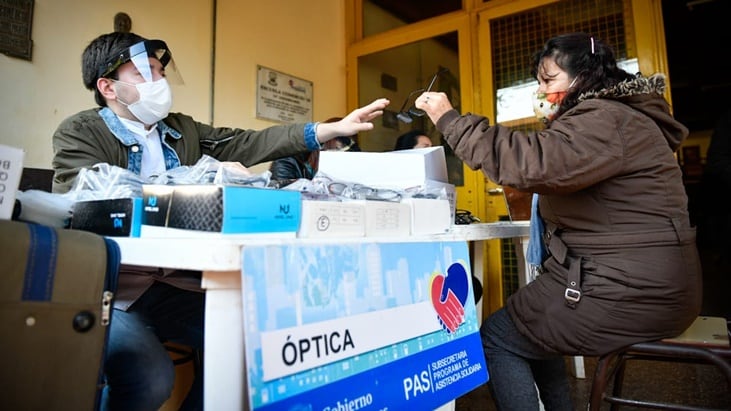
[(645, 94), (638, 85)]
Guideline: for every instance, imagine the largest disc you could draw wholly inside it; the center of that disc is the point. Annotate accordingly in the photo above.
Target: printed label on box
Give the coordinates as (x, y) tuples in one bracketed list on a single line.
[(332, 218), (386, 218), (118, 217)]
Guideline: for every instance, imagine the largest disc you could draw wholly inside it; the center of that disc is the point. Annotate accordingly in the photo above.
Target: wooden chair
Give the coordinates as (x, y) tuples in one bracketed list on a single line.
[(705, 341)]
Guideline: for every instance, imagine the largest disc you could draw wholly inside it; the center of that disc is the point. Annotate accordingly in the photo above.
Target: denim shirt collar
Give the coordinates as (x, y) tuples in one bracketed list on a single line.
[(126, 137)]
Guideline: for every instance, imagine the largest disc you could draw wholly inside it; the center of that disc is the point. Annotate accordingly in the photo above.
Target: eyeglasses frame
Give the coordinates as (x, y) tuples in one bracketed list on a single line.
[(406, 116)]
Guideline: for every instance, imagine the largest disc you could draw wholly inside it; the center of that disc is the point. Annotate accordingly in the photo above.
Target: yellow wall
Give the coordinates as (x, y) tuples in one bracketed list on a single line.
[(303, 39)]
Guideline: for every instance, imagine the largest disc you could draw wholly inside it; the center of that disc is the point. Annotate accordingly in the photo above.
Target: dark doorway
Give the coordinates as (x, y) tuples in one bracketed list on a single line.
[(698, 44)]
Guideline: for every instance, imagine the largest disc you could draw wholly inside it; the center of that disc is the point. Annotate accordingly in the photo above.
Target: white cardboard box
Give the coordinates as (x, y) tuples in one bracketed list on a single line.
[(396, 169), (445, 188), (399, 170), (11, 168), (332, 219), (429, 216)]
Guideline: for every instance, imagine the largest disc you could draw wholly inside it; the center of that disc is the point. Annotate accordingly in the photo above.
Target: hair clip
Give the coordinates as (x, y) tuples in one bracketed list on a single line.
[(592, 44)]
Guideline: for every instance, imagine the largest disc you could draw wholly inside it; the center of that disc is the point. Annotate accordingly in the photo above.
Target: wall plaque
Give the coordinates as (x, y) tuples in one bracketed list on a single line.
[(16, 18), (281, 97)]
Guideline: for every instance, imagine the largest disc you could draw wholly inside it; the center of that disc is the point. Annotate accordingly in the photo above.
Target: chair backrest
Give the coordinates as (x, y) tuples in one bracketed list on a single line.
[(36, 179)]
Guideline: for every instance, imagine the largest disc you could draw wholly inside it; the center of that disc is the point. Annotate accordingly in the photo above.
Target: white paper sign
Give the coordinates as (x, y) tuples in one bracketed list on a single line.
[(11, 167), (283, 98)]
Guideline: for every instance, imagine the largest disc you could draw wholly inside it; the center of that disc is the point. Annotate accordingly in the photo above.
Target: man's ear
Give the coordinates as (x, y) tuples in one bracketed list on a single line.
[(106, 88)]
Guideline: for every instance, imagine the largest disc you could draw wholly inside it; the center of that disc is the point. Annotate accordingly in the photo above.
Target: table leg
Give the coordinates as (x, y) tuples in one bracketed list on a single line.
[(224, 384)]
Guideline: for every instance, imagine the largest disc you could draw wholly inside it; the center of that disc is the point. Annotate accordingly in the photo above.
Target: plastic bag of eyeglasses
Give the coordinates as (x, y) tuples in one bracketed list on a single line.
[(105, 181), (208, 170), (427, 191), (357, 191)]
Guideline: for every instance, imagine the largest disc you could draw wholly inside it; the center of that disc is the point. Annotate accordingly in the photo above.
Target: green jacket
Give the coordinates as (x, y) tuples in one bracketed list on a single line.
[(98, 136)]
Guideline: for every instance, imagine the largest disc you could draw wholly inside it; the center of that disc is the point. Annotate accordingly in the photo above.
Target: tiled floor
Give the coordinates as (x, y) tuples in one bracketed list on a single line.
[(689, 384)]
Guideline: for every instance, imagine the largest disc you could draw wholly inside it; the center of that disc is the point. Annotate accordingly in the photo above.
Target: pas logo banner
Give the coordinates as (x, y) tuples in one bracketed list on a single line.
[(359, 326), (449, 296)]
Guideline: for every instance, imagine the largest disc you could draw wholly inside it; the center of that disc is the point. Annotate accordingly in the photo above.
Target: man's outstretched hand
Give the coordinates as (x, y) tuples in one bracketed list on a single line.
[(356, 121)]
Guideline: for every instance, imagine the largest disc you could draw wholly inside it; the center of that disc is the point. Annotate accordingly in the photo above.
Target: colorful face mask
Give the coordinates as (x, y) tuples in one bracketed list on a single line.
[(545, 105)]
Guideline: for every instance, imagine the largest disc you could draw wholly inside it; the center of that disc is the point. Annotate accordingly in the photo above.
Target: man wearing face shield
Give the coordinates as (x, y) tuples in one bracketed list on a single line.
[(132, 128), (154, 97)]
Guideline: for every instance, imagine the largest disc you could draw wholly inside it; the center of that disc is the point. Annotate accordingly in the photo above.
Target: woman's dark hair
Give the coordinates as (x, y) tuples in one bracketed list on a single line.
[(98, 53), (585, 58), (348, 142), (408, 140)]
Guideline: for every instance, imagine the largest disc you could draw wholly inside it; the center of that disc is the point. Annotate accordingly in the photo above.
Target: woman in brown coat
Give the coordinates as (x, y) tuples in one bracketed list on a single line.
[(618, 262)]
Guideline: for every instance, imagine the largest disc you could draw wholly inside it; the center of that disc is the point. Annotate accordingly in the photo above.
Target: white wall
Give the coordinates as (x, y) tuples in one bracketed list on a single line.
[(304, 39)]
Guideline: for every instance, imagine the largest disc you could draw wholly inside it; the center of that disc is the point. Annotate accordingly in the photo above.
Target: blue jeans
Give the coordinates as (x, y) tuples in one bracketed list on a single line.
[(517, 366), (138, 369)]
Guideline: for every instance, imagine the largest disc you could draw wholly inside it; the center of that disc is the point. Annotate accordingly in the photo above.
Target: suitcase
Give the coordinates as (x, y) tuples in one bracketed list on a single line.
[(56, 293)]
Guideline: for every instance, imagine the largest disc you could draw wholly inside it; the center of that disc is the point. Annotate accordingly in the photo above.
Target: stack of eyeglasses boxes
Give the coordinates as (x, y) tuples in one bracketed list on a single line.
[(386, 181), (204, 210), (196, 210)]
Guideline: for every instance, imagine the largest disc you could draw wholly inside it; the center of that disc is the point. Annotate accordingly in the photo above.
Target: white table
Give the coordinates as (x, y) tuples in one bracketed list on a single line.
[(219, 258)]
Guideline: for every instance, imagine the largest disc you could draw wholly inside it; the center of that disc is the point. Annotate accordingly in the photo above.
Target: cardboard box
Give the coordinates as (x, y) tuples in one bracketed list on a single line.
[(404, 170), (395, 169), (120, 217), (220, 209), (332, 219), (355, 218), (430, 216), (447, 190)]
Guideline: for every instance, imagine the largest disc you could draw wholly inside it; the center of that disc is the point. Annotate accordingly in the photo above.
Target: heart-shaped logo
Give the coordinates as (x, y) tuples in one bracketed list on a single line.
[(449, 294)]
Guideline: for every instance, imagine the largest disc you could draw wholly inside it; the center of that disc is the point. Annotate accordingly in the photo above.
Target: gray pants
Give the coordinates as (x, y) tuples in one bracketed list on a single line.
[(517, 366)]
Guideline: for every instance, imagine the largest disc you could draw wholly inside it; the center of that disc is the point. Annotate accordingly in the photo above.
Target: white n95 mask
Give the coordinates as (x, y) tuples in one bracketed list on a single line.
[(154, 102)]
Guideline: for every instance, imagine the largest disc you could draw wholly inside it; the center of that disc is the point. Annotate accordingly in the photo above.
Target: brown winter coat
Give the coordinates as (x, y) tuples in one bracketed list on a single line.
[(612, 198)]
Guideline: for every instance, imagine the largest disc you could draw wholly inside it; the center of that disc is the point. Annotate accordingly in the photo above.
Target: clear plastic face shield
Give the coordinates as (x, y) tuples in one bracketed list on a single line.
[(139, 55)]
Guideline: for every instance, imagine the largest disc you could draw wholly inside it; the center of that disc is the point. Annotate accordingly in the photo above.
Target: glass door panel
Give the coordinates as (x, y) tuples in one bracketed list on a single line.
[(399, 74)]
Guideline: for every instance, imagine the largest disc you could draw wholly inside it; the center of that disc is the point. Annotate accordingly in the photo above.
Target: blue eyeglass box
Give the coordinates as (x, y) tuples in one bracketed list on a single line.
[(223, 209)]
